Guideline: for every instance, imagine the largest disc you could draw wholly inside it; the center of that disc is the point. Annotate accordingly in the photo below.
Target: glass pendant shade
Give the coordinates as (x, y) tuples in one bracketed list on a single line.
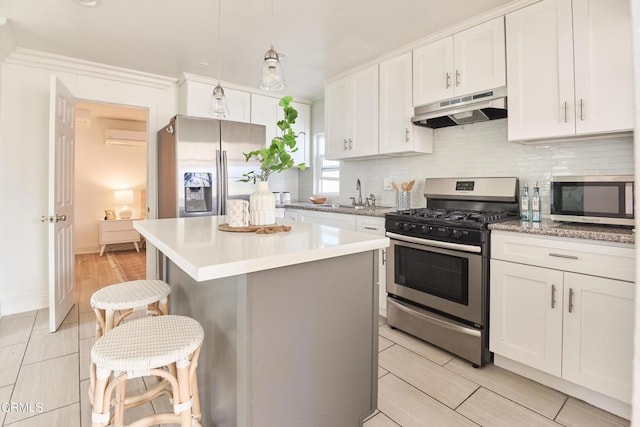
[(218, 107), (272, 77)]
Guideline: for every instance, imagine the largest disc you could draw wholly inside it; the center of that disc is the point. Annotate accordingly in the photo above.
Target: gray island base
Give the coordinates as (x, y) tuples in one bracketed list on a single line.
[(289, 346)]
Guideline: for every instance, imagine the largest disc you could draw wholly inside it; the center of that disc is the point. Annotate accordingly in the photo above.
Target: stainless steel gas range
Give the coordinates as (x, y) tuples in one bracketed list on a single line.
[(438, 262)]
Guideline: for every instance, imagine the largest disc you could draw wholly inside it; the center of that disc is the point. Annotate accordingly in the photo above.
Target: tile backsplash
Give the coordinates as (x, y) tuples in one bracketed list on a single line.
[(482, 150)]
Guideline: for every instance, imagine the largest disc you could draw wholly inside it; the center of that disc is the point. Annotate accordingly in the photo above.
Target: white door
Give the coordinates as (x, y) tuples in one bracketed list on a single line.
[(598, 334), (540, 71), (604, 70), (337, 117), (433, 72), (479, 58), (396, 106), (62, 293), (526, 315), (363, 140)]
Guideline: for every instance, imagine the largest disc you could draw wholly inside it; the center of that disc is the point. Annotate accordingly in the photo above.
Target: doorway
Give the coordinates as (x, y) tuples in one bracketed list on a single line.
[(110, 180)]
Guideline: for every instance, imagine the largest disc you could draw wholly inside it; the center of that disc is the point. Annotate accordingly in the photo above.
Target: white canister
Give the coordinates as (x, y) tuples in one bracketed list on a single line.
[(286, 197), (238, 213), (276, 194)]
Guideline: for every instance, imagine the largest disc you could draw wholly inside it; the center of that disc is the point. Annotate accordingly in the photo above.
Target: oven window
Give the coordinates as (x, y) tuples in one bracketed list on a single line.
[(436, 274)]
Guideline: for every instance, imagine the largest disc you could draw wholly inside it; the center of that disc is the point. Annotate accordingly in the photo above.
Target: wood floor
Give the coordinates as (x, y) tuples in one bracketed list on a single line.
[(44, 377)]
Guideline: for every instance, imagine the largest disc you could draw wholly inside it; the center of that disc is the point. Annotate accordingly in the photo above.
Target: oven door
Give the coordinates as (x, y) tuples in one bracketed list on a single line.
[(443, 276)]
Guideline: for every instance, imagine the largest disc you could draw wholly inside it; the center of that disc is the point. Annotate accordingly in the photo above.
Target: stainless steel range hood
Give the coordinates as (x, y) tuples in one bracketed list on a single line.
[(477, 107)]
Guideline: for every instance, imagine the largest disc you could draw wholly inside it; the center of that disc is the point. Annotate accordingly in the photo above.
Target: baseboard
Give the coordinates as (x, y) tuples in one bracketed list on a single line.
[(592, 397), (88, 248), (24, 303)]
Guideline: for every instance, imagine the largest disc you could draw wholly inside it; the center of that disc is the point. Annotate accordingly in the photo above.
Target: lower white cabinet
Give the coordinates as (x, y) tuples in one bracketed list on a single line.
[(362, 223), (578, 327)]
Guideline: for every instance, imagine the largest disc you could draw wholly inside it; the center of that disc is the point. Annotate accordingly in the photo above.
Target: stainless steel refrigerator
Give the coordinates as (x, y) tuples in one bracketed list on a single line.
[(200, 161)]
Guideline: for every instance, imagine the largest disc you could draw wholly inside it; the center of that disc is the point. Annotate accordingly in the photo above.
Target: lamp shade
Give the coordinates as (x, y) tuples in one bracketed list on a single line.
[(124, 198), (272, 77)]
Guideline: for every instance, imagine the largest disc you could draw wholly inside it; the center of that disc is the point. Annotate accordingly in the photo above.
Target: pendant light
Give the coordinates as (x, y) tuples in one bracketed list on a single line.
[(272, 78), (219, 107)]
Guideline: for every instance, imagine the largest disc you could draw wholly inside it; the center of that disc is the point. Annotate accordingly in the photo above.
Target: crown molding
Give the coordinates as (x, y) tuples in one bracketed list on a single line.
[(449, 31), (49, 61)]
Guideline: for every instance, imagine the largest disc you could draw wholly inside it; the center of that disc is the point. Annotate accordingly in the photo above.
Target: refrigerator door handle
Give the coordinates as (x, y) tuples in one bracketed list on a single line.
[(219, 178), (225, 181)]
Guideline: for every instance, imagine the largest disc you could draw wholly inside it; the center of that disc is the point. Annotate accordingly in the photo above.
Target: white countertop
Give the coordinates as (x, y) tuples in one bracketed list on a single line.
[(204, 252)]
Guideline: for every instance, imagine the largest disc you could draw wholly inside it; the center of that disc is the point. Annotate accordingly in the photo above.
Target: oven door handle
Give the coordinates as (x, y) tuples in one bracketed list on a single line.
[(434, 243)]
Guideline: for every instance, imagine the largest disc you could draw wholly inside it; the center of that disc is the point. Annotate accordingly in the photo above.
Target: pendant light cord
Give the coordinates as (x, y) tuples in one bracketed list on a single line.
[(272, 14), (219, 36)]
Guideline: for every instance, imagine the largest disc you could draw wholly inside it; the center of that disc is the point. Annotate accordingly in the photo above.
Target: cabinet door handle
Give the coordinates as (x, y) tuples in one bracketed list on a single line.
[(457, 78), (344, 145), (566, 112), (384, 256), (448, 80), (350, 144), (570, 300), (553, 296), (562, 255), (581, 109), (371, 228), (406, 135)]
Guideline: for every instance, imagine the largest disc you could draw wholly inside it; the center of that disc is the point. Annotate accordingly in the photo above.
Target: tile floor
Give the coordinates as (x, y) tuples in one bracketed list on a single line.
[(419, 385)]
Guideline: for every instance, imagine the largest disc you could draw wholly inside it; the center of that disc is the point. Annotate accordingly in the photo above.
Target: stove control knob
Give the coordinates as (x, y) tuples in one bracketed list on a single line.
[(406, 227), (424, 228), (397, 226), (457, 234)]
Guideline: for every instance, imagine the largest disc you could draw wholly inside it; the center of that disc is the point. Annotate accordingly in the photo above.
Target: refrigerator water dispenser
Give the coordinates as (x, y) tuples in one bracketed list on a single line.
[(197, 192)]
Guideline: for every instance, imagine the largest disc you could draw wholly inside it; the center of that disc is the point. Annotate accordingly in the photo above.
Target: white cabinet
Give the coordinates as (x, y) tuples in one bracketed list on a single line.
[(118, 231), (344, 221), (374, 225), (396, 108), (546, 314), (469, 61), (265, 110), (195, 98), (351, 105), (292, 215), (548, 97)]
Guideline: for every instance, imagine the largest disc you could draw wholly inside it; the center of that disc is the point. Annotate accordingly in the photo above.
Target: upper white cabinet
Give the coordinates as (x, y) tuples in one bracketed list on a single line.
[(548, 98), (396, 108), (469, 61), (266, 111), (351, 115), (195, 97)]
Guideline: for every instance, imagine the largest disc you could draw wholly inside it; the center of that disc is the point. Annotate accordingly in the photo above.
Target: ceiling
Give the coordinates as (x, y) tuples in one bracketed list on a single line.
[(320, 38)]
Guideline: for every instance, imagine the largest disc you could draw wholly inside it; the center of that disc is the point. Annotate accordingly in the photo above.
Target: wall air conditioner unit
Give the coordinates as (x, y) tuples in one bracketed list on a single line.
[(131, 138)]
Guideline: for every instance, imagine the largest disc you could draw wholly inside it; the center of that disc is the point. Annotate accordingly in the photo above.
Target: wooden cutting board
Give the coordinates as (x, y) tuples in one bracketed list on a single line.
[(258, 229)]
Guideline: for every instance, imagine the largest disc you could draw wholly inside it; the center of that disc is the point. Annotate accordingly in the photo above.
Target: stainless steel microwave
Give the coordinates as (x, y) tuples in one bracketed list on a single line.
[(593, 199)]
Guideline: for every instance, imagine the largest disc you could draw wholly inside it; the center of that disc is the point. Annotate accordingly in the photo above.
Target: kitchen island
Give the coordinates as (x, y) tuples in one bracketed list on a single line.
[(290, 319)]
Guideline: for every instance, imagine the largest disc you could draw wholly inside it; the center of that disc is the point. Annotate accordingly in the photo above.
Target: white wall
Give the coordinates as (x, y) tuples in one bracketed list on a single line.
[(482, 149), (101, 169), (24, 105)]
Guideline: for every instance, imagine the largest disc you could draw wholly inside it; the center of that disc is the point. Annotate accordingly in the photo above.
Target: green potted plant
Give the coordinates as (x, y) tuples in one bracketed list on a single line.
[(276, 157)]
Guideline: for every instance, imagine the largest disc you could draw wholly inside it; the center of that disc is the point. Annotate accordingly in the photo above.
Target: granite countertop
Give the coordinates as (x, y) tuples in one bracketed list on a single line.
[(378, 211), (566, 229), (204, 252)]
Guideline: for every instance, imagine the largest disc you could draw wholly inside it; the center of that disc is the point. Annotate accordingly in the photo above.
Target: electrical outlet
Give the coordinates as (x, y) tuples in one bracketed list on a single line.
[(387, 184)]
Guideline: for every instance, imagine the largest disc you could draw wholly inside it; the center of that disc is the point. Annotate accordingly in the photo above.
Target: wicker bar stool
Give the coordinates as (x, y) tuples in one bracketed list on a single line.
[(128, 298), (164, 346)]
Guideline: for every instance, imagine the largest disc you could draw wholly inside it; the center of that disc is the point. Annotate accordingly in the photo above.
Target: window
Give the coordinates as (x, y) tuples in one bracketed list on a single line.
[(326, 175)]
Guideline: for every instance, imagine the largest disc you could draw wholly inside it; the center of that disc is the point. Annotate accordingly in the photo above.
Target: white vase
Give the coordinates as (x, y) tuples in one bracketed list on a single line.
[(262, 205)]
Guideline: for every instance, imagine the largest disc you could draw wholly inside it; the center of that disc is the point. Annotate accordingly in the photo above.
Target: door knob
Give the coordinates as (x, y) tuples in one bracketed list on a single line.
[(52, 218), (61, 218)]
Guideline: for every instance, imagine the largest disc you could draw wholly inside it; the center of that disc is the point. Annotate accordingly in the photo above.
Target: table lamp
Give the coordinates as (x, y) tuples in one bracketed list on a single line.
[(124, 198)]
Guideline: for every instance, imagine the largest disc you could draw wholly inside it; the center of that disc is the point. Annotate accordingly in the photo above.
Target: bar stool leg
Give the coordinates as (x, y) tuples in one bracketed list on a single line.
[(100, 415), (184, 392)]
